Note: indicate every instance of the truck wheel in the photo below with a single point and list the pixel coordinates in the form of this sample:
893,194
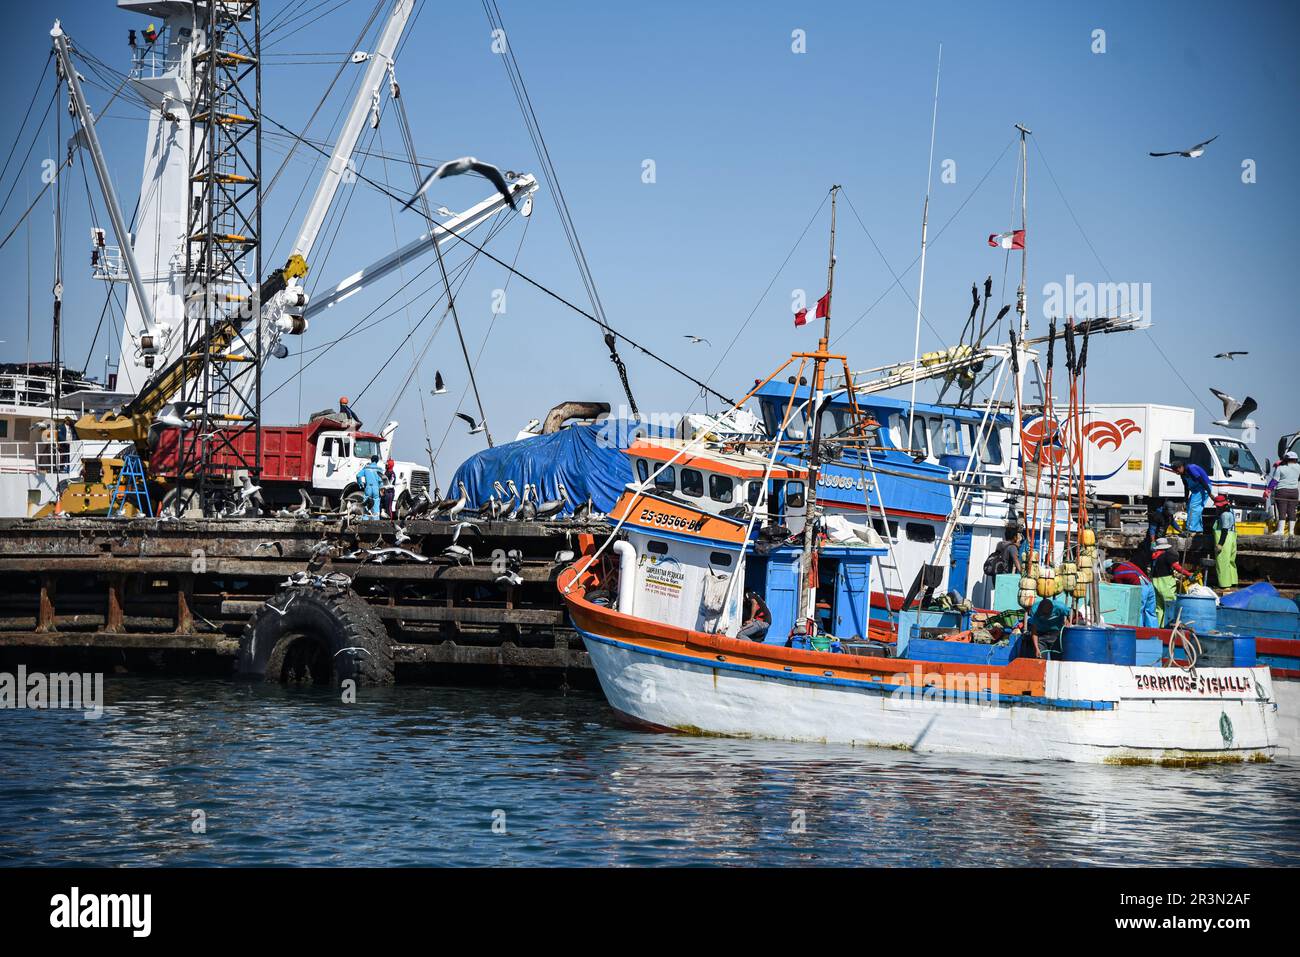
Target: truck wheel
403,506
181,503
352,496
321,635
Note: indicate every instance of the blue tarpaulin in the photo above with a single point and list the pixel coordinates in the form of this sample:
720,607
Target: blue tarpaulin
1253,596
588,459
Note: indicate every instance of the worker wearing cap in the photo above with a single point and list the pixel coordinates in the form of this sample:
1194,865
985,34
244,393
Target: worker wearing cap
1284,486
371,480
1197,485
1127,573
1164,568
1225,543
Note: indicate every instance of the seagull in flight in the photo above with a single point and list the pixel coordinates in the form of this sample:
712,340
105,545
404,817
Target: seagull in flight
1192,153
1236,415
1231,355
474,427
696,340
466,164
438,387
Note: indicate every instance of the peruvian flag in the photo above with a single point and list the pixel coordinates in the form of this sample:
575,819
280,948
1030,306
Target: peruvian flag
823,310
1012,240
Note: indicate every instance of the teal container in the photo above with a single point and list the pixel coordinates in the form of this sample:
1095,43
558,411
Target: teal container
1087,643
1199,614
1122,646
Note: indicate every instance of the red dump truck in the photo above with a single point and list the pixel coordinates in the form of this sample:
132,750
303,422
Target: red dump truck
321,458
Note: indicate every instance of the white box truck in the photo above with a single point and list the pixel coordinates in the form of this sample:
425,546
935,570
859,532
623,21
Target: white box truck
1129,452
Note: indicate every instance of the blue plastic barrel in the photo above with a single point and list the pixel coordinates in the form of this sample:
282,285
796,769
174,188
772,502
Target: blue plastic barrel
1199,614
1087,643
1122,646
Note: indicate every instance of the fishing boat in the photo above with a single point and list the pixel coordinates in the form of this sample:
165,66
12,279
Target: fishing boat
712,530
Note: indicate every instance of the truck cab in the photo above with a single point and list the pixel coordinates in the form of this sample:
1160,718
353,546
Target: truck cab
341,454
1232,467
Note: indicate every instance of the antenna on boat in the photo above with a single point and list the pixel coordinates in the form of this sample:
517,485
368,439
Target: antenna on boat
925,223
808,593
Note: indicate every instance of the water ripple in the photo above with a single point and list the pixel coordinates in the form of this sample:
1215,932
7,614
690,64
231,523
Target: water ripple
438,776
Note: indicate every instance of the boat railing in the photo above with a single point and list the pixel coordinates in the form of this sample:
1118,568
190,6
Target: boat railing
150,61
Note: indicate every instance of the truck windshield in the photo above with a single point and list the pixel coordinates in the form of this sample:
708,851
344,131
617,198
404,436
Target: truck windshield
366,448
1234,456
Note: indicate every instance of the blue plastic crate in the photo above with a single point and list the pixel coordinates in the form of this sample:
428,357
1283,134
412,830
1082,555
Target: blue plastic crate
960,652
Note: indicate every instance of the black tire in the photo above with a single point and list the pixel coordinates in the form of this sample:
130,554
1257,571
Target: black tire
403,506
325,636
181,502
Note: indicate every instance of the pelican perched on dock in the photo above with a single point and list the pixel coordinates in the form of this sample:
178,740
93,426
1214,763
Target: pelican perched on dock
549,509
450,508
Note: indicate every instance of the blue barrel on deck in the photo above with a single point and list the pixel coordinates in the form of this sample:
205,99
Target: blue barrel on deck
1122,646
1087,643
1199,614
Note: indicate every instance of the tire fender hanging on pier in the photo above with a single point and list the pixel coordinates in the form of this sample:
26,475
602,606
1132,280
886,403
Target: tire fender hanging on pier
324,635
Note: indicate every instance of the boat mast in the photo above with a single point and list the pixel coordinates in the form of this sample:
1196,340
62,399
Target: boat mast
807,560
1023,334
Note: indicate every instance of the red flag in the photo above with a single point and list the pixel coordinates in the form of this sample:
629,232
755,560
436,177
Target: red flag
1012,240
824,306
801,318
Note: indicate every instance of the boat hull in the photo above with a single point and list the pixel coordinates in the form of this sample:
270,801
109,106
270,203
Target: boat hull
665,691
1287,693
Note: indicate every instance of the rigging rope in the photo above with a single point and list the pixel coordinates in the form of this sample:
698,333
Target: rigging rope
534,128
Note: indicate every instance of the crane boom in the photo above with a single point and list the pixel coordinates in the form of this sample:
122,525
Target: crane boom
367,97
101,170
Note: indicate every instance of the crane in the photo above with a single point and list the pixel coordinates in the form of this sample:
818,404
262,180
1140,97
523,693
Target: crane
281,305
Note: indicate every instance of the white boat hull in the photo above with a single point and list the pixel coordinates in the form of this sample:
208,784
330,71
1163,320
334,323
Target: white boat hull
1118,723
1287,693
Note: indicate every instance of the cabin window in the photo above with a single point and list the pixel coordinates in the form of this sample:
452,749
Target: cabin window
794,494
950,437
642,470
367,448
692,483
1194,452
666,480
720,558
720,488
656,548
990,448
4,428
919,444
892,532
920,532
755,491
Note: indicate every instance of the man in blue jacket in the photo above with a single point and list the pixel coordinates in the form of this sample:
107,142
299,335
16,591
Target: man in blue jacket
371,480
1197,485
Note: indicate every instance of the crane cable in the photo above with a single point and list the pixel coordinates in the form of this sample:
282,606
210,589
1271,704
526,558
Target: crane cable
548,169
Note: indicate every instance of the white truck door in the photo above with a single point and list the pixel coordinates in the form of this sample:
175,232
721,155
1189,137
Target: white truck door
334,468
1168,483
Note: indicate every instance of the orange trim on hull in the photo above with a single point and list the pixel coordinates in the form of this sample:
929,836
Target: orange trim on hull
1021,676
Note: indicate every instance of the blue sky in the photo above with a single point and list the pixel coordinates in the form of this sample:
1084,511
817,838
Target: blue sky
747,137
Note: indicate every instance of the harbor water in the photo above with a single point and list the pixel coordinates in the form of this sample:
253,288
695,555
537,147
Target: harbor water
207,772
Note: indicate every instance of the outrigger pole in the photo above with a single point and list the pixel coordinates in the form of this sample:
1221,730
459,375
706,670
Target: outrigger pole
925,225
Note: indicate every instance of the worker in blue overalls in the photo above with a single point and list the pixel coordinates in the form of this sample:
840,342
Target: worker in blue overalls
371,480
1197,485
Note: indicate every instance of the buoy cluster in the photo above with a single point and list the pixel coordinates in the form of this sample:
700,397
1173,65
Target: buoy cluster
1045,580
